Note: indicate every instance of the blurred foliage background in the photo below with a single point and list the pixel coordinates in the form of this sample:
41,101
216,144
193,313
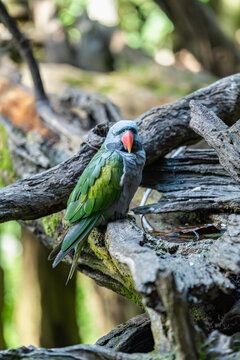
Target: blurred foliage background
139,53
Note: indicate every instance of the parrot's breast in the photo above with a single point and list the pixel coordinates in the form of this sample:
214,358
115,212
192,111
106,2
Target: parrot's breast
132,174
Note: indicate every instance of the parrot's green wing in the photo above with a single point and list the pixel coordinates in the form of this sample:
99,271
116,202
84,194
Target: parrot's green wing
98,188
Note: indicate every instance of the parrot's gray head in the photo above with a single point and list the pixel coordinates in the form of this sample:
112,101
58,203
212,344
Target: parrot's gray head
123,136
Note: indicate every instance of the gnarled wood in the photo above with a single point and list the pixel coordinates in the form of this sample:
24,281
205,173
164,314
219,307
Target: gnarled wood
225,140
193,181
162,129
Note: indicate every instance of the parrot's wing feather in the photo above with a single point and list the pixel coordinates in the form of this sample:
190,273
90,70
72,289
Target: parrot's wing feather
54,252
98,187
77,234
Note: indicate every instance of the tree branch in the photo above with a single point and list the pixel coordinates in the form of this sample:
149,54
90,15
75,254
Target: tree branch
162,129
225,140
25,50
166,127
47,192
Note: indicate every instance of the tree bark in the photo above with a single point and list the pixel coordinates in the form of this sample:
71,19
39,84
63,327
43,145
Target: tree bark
197,30
225,140
191,182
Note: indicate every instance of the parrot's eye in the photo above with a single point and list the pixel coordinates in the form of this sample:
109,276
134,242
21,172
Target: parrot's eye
122,131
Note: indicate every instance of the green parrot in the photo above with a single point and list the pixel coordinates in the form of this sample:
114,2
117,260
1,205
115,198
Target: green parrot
104,190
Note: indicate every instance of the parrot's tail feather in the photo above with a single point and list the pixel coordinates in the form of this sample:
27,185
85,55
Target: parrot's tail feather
80,229
75,259
59,258
54,252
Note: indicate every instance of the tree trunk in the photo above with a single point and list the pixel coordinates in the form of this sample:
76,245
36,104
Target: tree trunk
197,30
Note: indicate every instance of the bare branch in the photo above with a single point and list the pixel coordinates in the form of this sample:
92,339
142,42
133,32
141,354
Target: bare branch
162,129
25,50
226,141
166,127
43,107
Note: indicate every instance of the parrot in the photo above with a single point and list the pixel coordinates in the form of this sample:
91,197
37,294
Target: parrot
104,189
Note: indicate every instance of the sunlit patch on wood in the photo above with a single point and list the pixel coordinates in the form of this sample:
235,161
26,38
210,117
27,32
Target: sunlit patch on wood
18,104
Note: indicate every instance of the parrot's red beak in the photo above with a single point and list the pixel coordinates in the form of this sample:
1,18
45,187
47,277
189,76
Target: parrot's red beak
127,140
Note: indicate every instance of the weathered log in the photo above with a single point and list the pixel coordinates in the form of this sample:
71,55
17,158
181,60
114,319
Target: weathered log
217,346
133,336
76,352
193,181
115,260
166,127
225,140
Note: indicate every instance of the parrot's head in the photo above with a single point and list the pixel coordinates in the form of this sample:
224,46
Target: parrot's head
123,136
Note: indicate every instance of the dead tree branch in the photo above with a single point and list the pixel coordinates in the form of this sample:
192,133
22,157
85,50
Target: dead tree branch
166,127
225,140
162,129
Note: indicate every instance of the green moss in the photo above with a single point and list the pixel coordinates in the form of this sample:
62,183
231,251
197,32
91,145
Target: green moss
131,296
231,208
197,312
236,348
50,223
96,242
7,174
